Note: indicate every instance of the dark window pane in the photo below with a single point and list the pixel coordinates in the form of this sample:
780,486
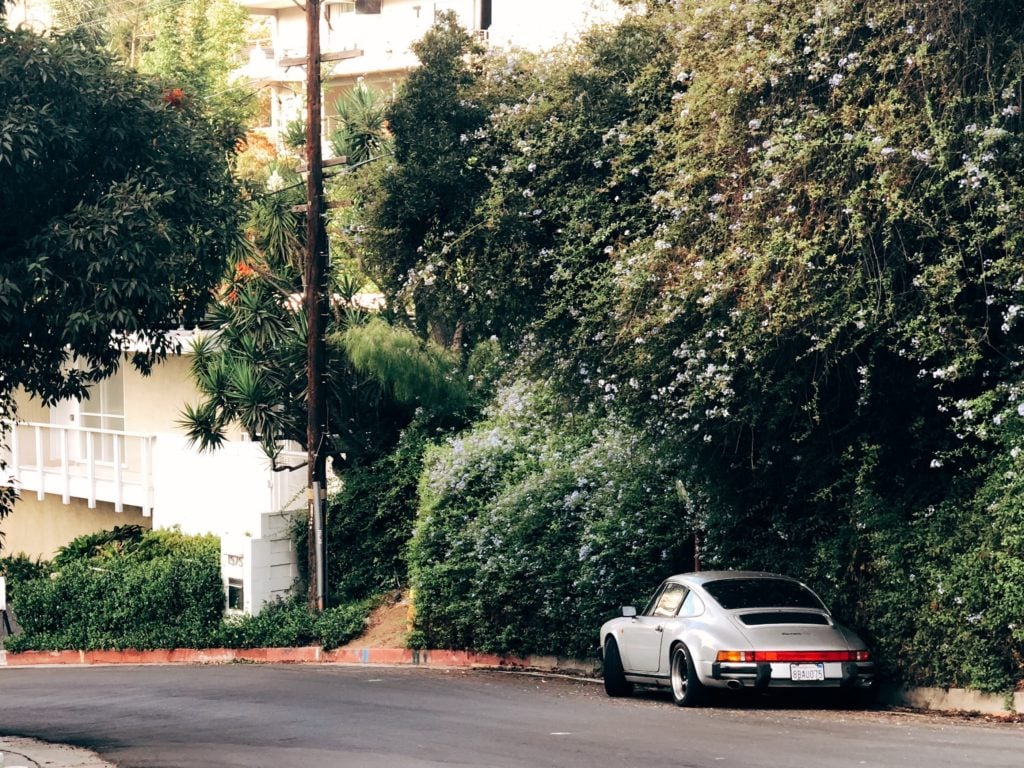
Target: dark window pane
732,594
236,595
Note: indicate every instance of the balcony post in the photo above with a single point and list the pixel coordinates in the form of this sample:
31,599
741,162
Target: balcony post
40,463
118,487
65,467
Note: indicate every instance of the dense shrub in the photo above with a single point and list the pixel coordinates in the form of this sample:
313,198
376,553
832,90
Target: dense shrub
20,568
289,624
101,544
370,520
281,624
166,593
535,525
158,589
340,624
775,247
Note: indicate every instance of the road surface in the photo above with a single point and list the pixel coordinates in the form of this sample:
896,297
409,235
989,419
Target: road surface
323,716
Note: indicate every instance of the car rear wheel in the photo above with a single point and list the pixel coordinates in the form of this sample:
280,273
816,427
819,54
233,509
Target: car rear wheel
687,689
615,683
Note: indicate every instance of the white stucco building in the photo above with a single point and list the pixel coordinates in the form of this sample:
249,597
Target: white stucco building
379,34
121,457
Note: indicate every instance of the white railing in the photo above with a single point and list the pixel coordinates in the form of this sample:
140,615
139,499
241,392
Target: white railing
73,462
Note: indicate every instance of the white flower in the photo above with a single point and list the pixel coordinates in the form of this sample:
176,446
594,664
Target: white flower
275,183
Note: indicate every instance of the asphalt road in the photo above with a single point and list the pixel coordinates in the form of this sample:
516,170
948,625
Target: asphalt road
319,717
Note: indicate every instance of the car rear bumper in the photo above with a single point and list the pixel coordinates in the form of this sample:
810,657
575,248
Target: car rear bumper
847,674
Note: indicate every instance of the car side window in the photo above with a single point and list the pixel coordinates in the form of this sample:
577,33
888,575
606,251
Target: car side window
670,599
692,606
649,608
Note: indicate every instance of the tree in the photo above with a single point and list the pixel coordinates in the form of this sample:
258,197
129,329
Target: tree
253,371
124,25
196,46
117,213
433,183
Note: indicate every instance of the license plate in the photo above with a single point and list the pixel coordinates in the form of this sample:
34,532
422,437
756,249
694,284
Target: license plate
807,671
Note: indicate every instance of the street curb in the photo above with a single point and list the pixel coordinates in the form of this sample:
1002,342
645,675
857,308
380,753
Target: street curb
929,699
304,655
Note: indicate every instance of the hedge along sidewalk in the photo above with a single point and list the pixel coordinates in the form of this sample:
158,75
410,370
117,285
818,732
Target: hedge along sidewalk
930,699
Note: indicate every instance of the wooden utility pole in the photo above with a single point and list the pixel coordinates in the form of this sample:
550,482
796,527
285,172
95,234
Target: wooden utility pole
315,303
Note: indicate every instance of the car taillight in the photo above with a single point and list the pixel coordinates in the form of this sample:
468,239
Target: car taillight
791,656
736,656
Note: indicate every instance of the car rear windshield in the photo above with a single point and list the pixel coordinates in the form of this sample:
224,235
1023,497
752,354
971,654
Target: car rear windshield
733,594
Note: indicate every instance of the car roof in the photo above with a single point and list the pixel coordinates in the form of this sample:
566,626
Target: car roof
703,577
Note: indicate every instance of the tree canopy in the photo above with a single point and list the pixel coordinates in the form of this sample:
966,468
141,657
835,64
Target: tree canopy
116,215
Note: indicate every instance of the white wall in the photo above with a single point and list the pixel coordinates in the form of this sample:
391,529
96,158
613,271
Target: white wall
233,493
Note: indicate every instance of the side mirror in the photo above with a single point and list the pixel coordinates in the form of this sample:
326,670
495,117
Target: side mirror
628,611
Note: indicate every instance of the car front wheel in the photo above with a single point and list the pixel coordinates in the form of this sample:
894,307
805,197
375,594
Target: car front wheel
687,689
615,683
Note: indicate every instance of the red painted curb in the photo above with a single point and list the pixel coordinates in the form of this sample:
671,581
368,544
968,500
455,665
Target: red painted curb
35,658
307,655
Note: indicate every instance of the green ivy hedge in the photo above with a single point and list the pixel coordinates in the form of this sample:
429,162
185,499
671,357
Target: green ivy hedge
167,593
533,528
774,249
127,588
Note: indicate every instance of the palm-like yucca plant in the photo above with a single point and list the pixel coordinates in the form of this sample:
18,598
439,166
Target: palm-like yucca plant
275,233
362,131
248,371
251,371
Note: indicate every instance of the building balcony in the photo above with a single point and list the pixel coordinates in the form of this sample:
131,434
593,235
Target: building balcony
98,465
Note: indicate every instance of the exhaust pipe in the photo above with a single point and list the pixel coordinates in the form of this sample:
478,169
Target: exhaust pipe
734,685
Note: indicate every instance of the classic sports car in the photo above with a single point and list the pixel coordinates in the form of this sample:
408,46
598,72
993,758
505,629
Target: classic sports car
732,629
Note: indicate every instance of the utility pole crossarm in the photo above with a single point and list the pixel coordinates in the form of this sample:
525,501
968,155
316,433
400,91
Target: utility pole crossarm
301,61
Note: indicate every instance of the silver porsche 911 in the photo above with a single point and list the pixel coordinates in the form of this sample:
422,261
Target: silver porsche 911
732,630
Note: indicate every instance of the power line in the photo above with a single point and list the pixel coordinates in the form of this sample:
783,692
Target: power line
149,7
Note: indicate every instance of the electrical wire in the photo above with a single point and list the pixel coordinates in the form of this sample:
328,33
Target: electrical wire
148,7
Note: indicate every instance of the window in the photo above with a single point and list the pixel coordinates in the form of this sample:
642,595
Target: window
103,410
733,594
485,14
669,600
236,595
692,606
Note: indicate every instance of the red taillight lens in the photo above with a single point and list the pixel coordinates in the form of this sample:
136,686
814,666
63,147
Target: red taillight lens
791,656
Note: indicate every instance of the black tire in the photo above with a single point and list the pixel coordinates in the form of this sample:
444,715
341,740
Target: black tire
687,689
615,683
